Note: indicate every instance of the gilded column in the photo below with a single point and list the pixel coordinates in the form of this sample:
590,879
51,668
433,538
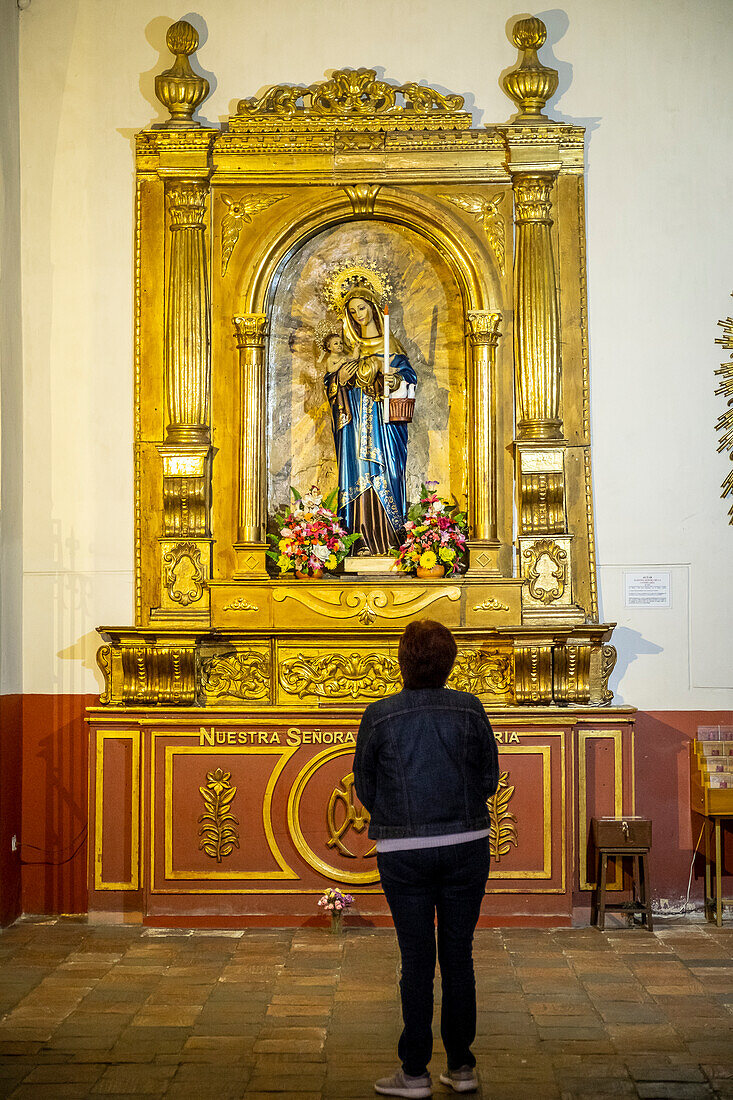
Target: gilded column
251,332
536,325
483,336
187,341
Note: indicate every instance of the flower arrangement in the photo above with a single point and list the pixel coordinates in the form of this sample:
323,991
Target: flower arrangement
436,534
336,903
310,537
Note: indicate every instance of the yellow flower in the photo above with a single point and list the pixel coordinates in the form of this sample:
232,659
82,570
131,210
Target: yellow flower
428,560
284,545
446,554
331,562
284,563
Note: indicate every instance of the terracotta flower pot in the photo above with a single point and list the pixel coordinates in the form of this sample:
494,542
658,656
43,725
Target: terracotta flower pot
311,575
437,571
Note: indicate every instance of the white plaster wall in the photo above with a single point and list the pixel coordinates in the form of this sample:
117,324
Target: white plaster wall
11,385
647,79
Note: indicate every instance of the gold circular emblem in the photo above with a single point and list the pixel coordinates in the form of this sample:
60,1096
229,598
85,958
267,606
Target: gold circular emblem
353,878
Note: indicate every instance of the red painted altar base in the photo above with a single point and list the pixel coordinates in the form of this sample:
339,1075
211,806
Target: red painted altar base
219,818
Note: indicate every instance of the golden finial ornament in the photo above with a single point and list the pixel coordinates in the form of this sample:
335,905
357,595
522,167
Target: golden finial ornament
179,88
530,84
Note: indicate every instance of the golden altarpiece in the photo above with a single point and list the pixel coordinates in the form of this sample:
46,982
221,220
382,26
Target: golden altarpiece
220,763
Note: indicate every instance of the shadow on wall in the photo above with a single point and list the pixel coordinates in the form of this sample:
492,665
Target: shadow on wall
629,644
84,650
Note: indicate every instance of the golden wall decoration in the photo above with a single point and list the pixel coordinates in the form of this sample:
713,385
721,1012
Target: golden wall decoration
482,673
608,663
239,213
341,803
340,675
503,823
358,95
367,605
219,837
546,570
486,213
725,421
492,604
184,573
236,676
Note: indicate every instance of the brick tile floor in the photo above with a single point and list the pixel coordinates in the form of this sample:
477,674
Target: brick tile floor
121,1011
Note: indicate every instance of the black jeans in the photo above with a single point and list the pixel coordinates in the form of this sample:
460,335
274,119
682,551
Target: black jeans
419,883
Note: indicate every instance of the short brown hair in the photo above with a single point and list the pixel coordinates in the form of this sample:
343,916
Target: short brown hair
426,654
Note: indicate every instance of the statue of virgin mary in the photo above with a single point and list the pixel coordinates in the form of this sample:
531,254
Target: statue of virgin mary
371,448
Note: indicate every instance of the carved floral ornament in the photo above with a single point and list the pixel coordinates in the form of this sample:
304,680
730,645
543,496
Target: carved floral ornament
374,675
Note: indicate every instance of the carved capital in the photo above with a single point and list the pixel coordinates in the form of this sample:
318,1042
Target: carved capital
250,330
483,327
187,205
532,199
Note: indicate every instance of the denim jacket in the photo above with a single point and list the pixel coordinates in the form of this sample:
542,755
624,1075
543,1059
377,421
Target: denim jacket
425,764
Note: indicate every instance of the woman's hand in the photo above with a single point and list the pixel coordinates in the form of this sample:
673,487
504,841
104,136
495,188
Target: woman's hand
347,370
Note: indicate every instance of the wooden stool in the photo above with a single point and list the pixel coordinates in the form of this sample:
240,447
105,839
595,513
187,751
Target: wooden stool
624,836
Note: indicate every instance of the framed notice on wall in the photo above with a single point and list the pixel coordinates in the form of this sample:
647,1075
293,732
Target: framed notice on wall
648,589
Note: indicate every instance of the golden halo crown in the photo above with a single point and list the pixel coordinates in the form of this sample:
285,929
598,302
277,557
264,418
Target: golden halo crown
347,276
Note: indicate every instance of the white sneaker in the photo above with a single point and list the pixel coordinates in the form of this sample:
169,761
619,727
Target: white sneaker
460,1080
402,1085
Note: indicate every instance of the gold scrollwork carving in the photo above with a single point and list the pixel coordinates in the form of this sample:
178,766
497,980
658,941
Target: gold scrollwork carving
533,674
608,663
340,675
343,795
240,605
542,502
104,661
492,604
546,570
502,823
158,674
240,675
349,92
571,673
184,575
482,673
240,212
367,605
218,835
486,212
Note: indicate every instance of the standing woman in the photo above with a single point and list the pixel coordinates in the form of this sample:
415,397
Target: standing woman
425,764
371,451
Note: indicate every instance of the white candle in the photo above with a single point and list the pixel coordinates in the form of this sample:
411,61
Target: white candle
386,364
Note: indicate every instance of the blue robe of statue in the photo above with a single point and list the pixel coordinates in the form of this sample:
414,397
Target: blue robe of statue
369,453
